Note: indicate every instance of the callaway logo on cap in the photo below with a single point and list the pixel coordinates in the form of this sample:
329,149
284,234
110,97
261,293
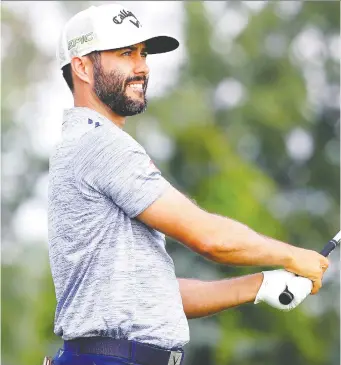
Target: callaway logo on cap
118,19
106,27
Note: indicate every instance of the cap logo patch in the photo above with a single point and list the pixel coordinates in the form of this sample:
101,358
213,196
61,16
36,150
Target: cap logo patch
84,38
123,14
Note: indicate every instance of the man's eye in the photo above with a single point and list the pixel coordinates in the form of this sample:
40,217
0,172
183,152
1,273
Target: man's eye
128,53
144,54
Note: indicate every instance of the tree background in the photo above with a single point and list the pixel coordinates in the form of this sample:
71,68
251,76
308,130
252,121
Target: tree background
244,118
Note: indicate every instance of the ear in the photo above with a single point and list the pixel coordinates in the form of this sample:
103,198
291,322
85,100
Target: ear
82,68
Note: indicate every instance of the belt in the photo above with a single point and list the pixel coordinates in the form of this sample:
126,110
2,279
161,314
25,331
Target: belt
138,352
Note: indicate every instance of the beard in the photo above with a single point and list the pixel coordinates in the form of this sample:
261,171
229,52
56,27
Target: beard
111,87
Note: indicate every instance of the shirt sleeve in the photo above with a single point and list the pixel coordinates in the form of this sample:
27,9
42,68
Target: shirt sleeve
112,163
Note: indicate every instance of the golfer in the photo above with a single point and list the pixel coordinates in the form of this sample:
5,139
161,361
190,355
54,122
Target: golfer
118,299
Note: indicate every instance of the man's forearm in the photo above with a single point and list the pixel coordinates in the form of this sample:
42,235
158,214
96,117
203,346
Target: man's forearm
205,298
235,243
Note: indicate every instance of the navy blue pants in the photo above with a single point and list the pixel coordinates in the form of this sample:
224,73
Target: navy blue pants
64,357
68,357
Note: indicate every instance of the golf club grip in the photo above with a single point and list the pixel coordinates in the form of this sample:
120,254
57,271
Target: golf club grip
328,248
286,297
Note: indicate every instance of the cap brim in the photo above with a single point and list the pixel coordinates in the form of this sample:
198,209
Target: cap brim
161,44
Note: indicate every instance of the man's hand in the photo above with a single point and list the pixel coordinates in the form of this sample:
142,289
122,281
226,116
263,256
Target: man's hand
309,264
276,281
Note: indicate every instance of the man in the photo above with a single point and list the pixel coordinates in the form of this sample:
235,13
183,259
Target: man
118,299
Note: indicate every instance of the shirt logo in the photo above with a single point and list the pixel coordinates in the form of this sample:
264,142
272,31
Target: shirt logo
152,165
123,14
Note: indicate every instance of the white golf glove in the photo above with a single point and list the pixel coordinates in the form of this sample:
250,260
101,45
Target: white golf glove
276,281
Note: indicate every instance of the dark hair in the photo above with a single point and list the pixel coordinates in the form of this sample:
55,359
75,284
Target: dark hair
67,74
67,71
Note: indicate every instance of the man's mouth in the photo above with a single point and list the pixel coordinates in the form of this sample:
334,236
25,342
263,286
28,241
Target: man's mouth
136,86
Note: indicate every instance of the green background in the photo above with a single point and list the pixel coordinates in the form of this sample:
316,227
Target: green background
234,122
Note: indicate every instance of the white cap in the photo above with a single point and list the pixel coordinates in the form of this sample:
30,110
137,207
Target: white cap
106,27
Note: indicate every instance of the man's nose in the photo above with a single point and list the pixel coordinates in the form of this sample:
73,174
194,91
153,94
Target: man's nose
141,67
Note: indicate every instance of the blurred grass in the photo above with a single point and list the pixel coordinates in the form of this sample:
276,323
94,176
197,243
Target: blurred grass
210,163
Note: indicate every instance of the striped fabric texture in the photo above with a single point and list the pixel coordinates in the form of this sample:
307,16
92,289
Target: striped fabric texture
112,274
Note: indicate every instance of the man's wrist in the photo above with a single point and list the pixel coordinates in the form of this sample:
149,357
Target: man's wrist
258,281
286,255
289,258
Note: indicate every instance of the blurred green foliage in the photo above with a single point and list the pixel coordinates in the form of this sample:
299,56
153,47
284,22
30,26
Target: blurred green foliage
233,160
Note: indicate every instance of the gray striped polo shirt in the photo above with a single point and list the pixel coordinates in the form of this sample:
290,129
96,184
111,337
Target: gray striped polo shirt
112,274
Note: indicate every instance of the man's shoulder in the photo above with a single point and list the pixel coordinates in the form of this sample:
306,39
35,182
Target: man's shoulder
91,130
110,138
